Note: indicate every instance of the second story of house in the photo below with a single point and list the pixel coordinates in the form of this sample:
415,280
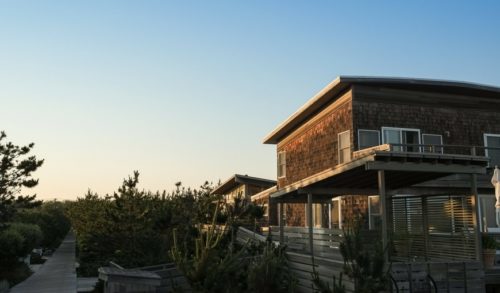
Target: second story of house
242,186
408,115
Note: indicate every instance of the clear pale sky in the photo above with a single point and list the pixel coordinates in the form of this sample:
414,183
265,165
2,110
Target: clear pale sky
186,90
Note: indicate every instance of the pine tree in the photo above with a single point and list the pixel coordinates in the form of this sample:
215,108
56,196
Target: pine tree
16,167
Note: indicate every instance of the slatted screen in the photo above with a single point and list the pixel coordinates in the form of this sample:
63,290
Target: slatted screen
433,228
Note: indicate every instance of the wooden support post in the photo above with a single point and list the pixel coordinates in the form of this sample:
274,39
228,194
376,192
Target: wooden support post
383,206
310,221
475,215
281,223
425,226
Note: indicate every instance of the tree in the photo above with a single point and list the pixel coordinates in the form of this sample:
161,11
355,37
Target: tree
363,263
16,167
51,219
131,227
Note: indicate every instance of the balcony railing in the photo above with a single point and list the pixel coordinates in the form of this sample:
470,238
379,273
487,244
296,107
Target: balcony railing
493,153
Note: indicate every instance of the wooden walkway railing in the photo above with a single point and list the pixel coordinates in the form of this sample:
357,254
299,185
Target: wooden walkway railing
152,279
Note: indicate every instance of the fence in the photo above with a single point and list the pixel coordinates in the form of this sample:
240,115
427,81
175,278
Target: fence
445,276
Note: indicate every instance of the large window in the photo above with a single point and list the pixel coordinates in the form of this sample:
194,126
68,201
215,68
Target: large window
344,147
449,214
433,143
281,164
368,138
492,141
438,227
407,136
407,214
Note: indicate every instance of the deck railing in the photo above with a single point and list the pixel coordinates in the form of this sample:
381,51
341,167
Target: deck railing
451,149
325,241
493,153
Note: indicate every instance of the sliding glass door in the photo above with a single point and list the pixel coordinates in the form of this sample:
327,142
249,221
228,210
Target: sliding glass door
407,136
492,144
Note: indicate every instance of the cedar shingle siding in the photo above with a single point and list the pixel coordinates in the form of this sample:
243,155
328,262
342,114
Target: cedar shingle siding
314,148
465,123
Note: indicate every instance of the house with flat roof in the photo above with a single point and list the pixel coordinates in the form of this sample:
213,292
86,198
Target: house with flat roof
411,159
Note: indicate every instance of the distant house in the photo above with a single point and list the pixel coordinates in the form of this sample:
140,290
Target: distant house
409,158
263,199
245,187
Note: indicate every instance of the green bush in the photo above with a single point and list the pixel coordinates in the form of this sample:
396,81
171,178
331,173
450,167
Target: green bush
15,273
11,243
51,219
31,234
489,242
269,272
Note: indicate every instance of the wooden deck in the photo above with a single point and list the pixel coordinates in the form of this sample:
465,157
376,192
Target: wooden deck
438,277
492,276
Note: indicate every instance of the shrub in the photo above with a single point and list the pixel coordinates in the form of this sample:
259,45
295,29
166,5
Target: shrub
31,234
11,242
489,242
51,219
270,272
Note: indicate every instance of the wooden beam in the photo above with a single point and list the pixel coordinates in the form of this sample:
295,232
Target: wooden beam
310,222
325,174
332,191
425,167
420,191
383,206
303,199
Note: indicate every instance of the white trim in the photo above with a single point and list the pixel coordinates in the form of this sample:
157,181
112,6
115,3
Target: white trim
370,224
340,149
367,130
283,175
481,220
431,134
329,215
485,135
339,199
306,220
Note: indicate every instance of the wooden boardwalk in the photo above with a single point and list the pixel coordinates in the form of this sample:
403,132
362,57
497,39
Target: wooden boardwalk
56,275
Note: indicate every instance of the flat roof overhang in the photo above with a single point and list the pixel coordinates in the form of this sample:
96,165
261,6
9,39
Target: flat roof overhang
342,84
360,176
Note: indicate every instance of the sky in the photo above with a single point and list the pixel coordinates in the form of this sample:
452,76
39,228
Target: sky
187,90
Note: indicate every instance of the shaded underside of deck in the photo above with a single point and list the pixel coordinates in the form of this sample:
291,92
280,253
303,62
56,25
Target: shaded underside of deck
402,170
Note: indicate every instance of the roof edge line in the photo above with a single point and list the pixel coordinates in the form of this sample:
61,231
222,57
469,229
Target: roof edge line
269,138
